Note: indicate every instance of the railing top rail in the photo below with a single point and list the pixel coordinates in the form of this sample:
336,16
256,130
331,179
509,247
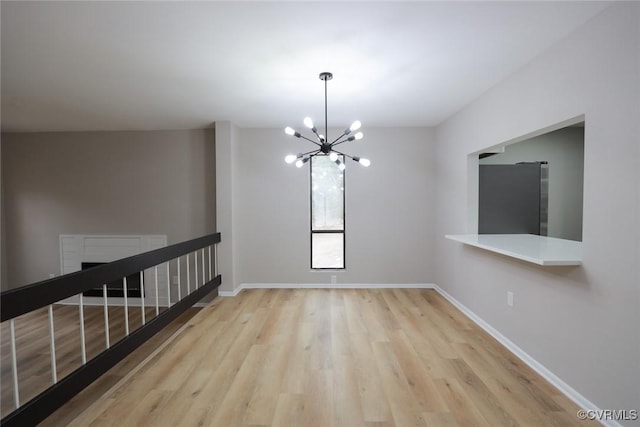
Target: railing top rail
16,302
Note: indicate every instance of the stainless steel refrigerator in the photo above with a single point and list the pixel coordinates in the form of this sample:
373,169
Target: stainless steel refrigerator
513,199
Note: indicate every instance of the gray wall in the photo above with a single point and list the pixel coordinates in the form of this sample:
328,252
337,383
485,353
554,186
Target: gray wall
579,322
159,182
564,150
389,209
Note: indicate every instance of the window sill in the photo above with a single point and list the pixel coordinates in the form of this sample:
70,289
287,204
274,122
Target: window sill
541,250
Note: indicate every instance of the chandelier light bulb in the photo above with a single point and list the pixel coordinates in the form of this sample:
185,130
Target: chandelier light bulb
323,146
308,122
302,161
290,158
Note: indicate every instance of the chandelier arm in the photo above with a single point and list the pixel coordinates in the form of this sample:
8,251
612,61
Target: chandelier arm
333,144
315,132
310,140
309,152
335,140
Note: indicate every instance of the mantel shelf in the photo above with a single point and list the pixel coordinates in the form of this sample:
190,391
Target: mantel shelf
539,250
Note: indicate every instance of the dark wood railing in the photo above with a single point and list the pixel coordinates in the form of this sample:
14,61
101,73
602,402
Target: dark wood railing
16,302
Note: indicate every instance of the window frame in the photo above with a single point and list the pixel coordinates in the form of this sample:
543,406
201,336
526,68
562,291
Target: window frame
337,231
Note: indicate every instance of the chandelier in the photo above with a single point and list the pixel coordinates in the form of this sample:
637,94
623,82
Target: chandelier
326,148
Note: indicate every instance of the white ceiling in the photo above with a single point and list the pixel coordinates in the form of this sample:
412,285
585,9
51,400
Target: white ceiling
181,65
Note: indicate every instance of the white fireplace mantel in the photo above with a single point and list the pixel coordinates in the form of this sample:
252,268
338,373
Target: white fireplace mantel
78,248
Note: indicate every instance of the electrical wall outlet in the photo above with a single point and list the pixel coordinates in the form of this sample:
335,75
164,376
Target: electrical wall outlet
333,279
510,298
175,280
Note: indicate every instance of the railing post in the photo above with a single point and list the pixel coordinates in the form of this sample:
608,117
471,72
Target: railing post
168,286
157,302
142,297
14,363
126,306
52,346
195,268
179,281
83,347
106,315
215,259
204,278
209,249
188,276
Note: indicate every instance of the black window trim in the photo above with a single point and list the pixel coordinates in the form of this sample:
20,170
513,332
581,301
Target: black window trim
344,221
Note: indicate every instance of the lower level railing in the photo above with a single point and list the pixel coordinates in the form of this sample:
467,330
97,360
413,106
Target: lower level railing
191,264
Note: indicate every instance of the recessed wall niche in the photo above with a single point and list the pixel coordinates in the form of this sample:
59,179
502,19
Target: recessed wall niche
500,192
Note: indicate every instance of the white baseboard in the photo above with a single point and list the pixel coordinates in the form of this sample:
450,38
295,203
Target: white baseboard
233,293
565,388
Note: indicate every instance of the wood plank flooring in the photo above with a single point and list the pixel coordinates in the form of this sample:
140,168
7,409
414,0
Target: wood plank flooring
34,357
329,357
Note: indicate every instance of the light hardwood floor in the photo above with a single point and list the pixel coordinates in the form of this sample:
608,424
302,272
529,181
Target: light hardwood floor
331,358
34,357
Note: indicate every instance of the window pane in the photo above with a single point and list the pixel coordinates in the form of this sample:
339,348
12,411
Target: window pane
327,190
327,250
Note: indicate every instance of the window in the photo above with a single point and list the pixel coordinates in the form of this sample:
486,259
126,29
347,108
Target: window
327,213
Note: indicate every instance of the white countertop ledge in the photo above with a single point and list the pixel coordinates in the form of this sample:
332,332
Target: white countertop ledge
539,250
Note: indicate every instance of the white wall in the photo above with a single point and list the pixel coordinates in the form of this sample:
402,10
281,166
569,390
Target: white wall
579,322
389,209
